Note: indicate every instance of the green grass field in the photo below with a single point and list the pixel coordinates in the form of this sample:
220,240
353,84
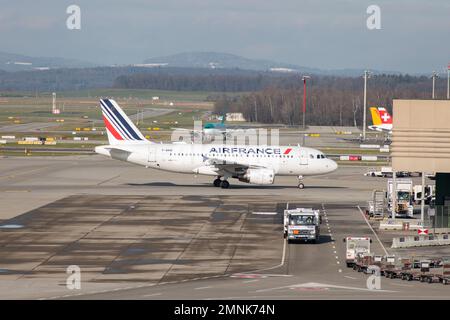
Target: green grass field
180,96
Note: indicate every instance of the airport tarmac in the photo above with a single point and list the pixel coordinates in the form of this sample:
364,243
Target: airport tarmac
138,233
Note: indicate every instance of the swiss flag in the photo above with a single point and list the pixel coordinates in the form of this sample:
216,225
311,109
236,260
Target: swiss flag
422,231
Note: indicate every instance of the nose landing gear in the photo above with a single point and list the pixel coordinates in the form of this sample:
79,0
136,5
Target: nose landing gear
300,182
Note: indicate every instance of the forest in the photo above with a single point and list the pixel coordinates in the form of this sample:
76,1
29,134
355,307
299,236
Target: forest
330,101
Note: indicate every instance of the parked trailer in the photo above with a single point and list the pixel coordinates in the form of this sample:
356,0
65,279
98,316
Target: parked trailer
390,266
444,276
368,263
418,270
437,271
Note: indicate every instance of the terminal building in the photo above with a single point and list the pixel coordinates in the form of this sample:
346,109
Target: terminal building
421,143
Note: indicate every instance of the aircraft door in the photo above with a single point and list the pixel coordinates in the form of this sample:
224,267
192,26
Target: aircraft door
152,153
303,157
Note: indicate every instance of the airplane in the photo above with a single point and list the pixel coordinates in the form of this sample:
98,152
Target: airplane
211,130
382,120
215,128
255,164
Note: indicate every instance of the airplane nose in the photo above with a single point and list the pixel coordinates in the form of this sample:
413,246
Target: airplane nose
332,165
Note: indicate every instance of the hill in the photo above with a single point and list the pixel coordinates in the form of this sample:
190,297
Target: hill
16,62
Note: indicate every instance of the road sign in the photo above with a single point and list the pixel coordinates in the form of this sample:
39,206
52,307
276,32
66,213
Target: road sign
422,231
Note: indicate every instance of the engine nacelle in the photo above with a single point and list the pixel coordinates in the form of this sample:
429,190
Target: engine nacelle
258,176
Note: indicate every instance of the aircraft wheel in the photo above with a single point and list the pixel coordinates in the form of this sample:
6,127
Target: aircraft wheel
217,182
301,186
225,184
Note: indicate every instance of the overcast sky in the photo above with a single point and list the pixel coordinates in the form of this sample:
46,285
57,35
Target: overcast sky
328,34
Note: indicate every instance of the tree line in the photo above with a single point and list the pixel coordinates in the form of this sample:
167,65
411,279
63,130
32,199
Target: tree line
332,101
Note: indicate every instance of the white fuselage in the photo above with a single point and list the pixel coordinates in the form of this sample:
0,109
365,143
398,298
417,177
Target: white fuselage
385,127
200,158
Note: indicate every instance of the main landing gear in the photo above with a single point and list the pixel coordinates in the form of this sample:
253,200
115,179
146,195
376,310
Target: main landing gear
300,182
224,184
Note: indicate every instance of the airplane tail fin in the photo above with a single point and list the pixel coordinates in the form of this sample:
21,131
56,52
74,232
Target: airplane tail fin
385,117
119,127
376,119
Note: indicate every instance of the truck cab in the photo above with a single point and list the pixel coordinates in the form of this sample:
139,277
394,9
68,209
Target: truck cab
356,247
404,198
302,224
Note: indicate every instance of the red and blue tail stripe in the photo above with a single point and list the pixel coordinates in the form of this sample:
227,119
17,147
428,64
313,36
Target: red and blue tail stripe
117,123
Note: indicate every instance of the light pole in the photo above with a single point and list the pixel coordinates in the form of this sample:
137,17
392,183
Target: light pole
304,100
366,76
434,76
448,81
304,105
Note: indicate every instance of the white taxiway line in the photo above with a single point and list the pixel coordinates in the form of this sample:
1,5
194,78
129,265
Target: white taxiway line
152,295
249,281
362,213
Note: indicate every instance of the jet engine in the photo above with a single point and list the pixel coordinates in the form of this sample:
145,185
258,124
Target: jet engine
258,176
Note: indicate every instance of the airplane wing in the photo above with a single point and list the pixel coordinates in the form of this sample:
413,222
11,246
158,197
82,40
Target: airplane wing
222,167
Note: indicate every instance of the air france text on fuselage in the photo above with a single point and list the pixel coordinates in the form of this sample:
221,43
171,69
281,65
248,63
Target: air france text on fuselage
265,150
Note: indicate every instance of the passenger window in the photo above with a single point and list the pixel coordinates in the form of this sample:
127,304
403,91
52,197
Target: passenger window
311,156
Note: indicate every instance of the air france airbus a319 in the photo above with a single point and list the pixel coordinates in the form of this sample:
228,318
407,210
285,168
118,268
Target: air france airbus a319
251,164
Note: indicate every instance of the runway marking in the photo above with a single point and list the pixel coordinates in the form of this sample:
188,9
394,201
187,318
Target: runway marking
401,285
283,258
152,295
265,213
107,180
320,285
353,278
202,288
340,270
362,213
250,281
18,173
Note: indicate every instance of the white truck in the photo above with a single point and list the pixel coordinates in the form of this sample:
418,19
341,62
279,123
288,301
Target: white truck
383,172
356,247
404,192
302,224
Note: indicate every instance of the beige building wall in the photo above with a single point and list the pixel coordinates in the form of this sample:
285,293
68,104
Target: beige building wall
421,136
